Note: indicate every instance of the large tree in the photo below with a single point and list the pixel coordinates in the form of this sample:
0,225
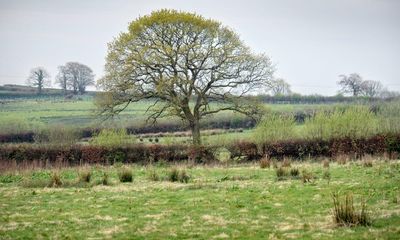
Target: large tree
183,62
351,84
39,78
75,76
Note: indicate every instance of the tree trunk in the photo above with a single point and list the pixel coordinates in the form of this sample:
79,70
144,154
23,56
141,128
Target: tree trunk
195,127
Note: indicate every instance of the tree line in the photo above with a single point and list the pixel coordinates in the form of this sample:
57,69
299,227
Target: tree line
353,85
72,77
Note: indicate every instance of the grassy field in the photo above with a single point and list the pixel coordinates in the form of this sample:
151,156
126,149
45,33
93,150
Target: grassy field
239,201
83,113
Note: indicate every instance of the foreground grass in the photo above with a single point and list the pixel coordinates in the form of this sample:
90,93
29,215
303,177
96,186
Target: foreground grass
240,201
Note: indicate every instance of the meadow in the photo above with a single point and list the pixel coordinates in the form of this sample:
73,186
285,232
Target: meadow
219,201
294,174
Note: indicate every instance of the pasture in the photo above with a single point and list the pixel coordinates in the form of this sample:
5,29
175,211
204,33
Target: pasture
236,201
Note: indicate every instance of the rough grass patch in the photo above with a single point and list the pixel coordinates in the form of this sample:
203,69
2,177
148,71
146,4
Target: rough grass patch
307,176
344,213
153,175
125,175
294,172
326,163
281,173
85,176
265,163
286,162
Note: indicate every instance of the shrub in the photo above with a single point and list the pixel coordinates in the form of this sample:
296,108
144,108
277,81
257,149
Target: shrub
275,127
125,175
112,138
281,173
265,163
294,172
353,122
58,134
344,213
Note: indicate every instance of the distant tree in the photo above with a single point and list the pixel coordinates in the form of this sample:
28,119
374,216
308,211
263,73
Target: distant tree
39,78
371,88
385,93
279,86
351,84
62,78
174,57
79,76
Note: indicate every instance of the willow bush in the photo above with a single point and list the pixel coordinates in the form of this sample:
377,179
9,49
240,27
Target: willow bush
274,127
353,122
112,138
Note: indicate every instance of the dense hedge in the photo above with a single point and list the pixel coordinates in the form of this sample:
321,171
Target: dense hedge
17,137
142,153
78,155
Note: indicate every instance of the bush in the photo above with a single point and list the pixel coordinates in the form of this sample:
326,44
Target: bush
352,122
344,213
112,138
58,134
125,175
274,128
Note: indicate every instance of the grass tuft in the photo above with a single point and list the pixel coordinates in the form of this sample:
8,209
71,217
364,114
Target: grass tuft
344,213
265,163
125,175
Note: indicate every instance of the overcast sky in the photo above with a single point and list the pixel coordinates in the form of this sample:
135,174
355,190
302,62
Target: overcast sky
311,42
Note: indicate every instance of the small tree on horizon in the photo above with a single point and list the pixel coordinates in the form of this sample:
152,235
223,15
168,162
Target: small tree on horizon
39,78
183,62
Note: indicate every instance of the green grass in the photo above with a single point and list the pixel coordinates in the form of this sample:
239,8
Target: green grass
240,201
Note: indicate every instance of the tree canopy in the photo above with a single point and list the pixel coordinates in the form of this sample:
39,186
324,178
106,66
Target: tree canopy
183,62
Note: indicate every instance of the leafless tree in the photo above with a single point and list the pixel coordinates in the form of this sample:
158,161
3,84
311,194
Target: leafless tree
279,86
351,84
371,88
39,78
78,76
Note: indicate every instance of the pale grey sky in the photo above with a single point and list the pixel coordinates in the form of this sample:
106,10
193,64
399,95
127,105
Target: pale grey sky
310,41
